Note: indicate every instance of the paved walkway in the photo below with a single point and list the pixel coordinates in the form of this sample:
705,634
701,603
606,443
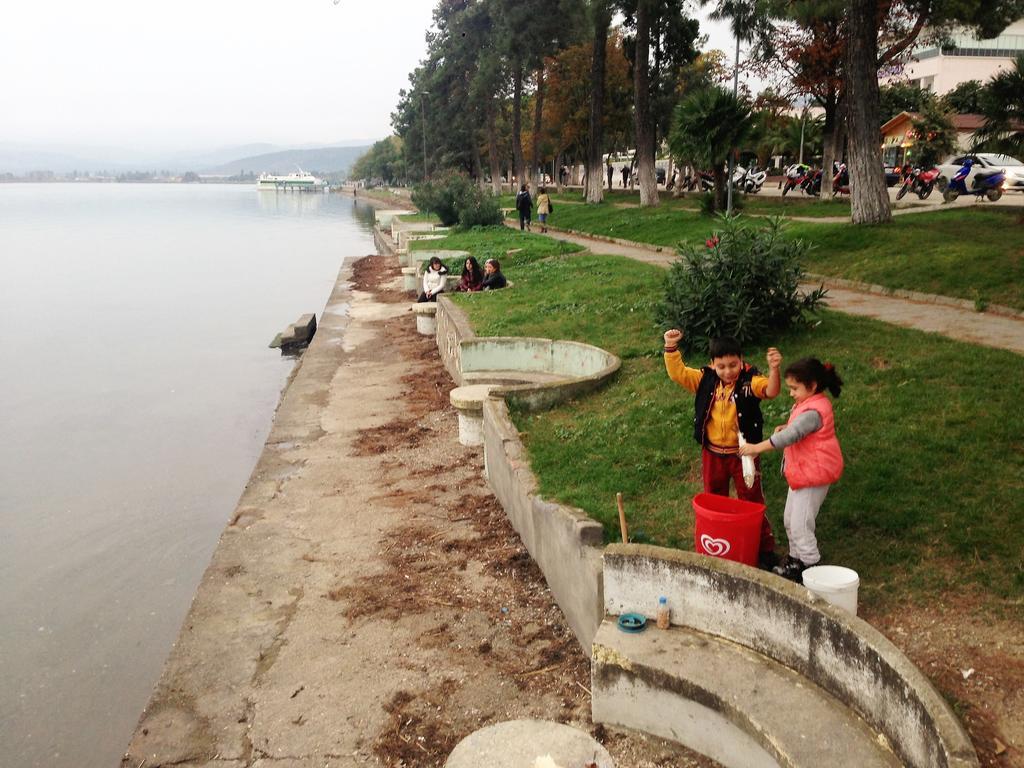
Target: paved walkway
965,325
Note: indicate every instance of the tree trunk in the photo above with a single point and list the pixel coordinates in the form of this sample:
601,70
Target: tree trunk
492,150
829,135
518,163
718,201
869,197
556,170
535,159
642,100
595,148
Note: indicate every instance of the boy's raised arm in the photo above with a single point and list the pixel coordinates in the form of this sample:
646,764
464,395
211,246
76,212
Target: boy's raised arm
686,377
774,380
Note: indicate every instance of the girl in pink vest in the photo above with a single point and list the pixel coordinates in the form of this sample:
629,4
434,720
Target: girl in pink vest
812,460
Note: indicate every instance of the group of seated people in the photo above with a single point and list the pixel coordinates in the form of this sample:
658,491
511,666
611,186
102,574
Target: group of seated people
473,278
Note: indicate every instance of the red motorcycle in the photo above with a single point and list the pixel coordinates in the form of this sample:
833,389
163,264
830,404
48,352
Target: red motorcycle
841,181
796,176
919,181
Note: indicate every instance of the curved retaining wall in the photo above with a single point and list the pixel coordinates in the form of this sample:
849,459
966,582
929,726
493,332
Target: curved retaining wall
585,367
839,652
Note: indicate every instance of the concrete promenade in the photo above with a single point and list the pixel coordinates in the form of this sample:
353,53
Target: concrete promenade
368,602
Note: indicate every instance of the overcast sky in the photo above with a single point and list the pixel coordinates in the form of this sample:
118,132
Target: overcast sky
193,74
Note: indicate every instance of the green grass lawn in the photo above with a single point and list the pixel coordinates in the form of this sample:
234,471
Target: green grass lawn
973,254
511,248
425,216
933,438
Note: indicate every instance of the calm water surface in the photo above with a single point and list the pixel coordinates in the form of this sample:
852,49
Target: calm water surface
136,392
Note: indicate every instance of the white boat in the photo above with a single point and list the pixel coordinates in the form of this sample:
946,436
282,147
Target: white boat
292,182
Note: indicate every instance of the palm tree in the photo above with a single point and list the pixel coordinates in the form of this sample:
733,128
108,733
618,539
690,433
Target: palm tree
706,125
1003,107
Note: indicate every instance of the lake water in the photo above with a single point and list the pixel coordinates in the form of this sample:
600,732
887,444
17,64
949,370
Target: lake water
136,392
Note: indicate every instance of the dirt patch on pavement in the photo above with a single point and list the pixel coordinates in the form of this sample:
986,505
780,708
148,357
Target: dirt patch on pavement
975,661
454,574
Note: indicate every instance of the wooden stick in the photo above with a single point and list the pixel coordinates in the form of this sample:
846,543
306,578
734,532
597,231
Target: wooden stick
622,518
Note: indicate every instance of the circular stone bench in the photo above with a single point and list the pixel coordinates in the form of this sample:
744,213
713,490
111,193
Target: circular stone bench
426,318
537,373
758,671
520,743
409,281
385,217
468,401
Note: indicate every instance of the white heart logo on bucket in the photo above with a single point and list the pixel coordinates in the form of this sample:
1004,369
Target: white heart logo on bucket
714,547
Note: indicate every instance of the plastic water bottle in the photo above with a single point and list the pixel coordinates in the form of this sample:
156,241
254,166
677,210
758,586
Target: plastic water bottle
664,615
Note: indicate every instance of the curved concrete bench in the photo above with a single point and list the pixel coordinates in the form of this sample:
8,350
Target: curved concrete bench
426,317
761,654
536,373
385,217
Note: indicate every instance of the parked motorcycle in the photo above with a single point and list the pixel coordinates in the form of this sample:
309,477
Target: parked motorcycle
841,181
989,185
749,180
796,176
918,181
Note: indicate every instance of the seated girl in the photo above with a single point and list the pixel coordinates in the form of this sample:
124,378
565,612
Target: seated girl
433,280
493,279
472,276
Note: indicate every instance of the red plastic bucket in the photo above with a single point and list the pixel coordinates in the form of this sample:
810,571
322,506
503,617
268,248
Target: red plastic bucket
727,528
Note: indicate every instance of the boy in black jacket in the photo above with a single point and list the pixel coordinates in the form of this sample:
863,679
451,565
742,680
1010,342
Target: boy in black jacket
727,401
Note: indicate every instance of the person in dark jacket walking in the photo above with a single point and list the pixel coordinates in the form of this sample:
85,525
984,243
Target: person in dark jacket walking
524,204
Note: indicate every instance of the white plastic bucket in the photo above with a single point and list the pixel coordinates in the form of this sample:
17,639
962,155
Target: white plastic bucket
835,584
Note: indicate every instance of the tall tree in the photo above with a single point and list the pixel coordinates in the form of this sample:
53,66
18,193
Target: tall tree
707,125
662,42
869,197
1003,108
530,30
600,20
880,31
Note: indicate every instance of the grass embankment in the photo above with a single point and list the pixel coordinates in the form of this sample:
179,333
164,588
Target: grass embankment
930,427
420,216
973,254
512,249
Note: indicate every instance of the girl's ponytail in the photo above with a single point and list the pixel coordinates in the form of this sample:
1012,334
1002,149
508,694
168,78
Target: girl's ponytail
810,371
831,380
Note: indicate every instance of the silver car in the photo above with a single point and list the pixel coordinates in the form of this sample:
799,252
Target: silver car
984,162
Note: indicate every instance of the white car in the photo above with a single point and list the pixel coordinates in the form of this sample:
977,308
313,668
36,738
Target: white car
985,163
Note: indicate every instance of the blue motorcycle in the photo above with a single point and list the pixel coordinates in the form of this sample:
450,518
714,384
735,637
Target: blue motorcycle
988,184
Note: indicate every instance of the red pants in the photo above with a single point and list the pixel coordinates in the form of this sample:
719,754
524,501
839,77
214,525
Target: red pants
718,469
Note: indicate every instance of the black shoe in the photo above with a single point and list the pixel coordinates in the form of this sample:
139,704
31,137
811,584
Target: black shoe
767,560
791,569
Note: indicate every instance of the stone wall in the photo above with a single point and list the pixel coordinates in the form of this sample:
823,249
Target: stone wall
842,654
563,541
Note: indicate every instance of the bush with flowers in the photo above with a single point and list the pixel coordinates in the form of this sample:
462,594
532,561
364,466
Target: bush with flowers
743,281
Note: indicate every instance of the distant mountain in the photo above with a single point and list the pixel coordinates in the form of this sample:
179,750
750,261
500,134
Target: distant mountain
20,158
324,160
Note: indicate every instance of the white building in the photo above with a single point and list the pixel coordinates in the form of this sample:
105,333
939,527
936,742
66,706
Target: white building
941,69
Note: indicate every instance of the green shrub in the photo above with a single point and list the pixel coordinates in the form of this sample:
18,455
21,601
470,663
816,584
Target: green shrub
440,196
478,208
742,282
455,199
708,206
